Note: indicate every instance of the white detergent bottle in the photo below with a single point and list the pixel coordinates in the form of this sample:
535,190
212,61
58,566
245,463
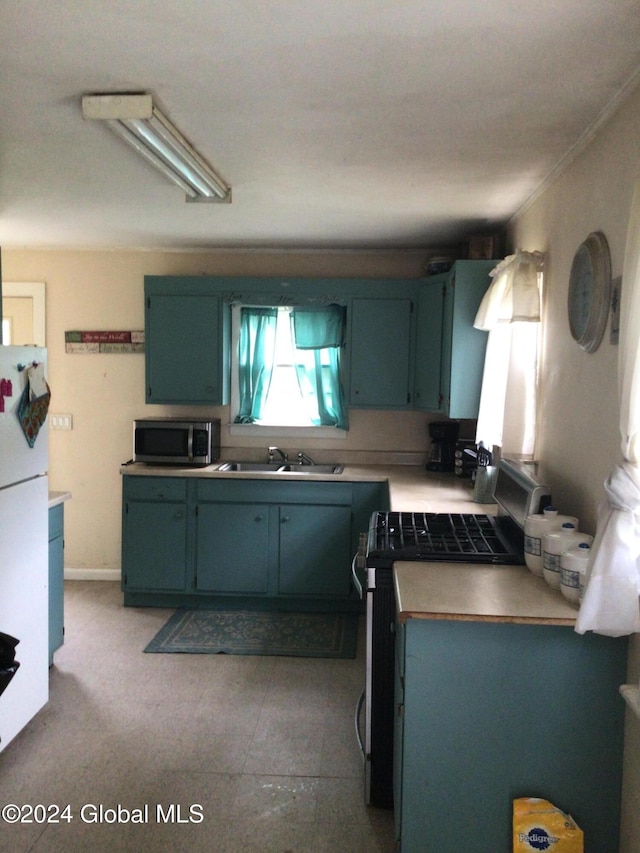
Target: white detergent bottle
573,571
554,545
535,527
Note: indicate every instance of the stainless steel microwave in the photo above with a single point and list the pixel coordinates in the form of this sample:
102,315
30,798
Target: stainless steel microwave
176,441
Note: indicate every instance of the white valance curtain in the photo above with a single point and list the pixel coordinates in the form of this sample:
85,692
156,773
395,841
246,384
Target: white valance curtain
610,604
510,312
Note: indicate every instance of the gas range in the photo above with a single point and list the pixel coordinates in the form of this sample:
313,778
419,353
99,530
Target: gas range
446,537
442,537
462,537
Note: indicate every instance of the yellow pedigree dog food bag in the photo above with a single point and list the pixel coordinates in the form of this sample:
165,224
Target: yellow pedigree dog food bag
538,826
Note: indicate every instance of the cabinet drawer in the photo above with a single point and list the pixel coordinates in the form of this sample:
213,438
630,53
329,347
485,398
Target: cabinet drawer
56,521
155,488
270,491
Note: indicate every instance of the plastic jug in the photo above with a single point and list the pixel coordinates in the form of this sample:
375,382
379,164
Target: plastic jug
554,545
535,527
573,571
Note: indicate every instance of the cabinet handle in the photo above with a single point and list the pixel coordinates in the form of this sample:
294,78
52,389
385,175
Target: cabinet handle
284,519
259,518
178,515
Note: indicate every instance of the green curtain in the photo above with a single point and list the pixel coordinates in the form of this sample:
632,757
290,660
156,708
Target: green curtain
321,330
256,352
318,327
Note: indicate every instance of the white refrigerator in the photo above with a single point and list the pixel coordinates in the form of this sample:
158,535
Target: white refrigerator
23,544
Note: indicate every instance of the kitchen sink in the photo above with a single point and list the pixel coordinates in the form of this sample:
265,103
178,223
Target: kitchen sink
251,466
312,469
280,467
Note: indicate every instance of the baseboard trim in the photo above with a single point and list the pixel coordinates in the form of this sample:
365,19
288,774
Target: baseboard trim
92,574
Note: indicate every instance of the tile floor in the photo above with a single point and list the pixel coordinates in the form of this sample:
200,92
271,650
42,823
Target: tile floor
263,748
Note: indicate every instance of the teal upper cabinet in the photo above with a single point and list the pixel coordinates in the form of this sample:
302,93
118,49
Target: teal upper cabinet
396,357
380,346
186,342
427,389
450,352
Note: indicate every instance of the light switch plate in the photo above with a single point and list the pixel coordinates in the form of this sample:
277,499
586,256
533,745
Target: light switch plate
61,421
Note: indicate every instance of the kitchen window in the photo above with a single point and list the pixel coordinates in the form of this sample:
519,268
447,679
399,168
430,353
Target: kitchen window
286,368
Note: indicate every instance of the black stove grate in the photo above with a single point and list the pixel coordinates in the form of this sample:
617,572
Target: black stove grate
441,536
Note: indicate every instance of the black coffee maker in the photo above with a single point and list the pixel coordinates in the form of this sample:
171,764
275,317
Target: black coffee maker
443,435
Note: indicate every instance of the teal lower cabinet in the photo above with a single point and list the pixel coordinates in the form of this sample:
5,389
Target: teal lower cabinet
56,579
487,712
314,546
232,554
154,534
274,539
282,544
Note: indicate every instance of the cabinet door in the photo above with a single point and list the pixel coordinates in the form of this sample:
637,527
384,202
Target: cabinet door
428,392
450,356
232,548
463,346
56,580
315,550
380,353
398,732
184,357
154,537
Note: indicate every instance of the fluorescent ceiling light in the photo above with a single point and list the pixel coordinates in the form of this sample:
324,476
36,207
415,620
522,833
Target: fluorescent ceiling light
141,124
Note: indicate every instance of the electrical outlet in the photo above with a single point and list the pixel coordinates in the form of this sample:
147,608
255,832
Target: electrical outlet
61,421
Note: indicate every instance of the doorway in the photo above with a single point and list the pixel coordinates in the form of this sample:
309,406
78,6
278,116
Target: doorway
23,313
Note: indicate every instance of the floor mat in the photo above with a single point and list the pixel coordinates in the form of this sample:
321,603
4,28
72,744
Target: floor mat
243,632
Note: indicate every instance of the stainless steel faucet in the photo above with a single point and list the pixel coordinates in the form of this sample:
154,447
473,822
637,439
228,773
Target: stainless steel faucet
273,451
303,459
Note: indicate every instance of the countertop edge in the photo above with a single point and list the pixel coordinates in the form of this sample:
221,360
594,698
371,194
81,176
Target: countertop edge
350,473
57,498
405,615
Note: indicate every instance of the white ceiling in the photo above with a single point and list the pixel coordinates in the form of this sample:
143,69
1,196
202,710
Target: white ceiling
344,124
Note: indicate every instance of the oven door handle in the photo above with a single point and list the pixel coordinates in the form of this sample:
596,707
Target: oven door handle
356,719
354,576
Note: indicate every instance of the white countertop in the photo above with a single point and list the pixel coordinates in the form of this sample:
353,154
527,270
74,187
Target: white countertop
412,488
56,498
471,592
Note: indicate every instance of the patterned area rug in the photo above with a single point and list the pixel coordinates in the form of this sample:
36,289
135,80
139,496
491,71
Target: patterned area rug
243,632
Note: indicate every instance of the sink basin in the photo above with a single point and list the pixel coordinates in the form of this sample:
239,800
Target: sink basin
280,467
312,469
251,466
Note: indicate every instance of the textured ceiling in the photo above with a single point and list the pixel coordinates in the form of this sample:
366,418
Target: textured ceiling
353,124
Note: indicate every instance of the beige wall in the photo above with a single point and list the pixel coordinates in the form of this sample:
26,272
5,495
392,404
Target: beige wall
579,434
87,290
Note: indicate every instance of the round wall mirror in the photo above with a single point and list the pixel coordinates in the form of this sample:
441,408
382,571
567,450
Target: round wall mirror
590,291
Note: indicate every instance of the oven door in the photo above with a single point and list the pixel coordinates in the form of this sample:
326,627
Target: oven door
379,688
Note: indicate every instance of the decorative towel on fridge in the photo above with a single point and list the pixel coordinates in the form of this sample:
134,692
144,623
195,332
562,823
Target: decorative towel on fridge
34,403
